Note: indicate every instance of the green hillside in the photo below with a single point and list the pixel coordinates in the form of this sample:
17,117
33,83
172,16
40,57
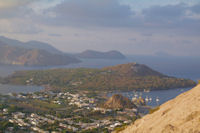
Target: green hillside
130,76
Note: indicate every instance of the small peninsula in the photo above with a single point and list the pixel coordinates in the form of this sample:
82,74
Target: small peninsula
124,77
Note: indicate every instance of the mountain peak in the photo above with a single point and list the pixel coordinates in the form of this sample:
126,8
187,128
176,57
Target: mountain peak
133,69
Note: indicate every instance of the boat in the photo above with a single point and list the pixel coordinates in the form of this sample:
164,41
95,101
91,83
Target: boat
136,95
150,99
146,99
157,99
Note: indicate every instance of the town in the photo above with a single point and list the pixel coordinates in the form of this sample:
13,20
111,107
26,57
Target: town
57,112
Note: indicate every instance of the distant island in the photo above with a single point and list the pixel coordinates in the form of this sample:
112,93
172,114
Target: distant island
125,77
91,54
30,45
33,53
11,55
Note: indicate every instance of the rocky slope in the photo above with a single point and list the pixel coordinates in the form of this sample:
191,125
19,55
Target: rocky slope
180,115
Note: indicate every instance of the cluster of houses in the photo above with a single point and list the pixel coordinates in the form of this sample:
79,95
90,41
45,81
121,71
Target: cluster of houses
33,121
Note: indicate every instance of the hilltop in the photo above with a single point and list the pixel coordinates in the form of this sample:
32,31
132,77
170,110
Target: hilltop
131,76
91,54
180,115
133,70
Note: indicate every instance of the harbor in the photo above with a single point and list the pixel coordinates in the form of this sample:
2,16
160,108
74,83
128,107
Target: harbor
153,98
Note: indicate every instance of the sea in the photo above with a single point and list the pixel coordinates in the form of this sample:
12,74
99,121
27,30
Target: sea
182,67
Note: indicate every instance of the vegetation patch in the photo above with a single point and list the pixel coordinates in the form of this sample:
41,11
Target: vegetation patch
124,77
151,111
120,128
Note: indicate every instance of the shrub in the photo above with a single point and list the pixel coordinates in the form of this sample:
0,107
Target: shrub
151,111
120,128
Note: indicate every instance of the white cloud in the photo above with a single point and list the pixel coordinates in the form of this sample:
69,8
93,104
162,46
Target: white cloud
18,26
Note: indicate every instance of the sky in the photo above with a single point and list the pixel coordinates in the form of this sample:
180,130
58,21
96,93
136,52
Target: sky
145,27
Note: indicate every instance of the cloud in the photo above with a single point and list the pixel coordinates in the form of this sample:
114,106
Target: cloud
104,13
6,4
171,18
14,8
38,6
196,8
18,26
21,8
104,24
89,12
164,13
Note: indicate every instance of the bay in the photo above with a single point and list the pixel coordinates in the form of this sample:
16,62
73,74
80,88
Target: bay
172,66
153,98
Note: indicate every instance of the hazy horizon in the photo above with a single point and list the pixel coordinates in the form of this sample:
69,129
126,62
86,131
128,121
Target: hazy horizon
134,27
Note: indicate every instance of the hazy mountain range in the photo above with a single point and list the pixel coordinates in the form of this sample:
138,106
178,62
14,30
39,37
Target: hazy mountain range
35,53
30,45
17,55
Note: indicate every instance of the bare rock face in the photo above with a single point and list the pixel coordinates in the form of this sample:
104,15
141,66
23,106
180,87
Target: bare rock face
118,101
180,115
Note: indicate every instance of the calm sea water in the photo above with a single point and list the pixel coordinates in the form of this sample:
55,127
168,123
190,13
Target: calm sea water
6,89
161,95
178,67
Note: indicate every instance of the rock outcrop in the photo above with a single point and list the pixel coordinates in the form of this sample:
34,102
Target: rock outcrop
118,101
